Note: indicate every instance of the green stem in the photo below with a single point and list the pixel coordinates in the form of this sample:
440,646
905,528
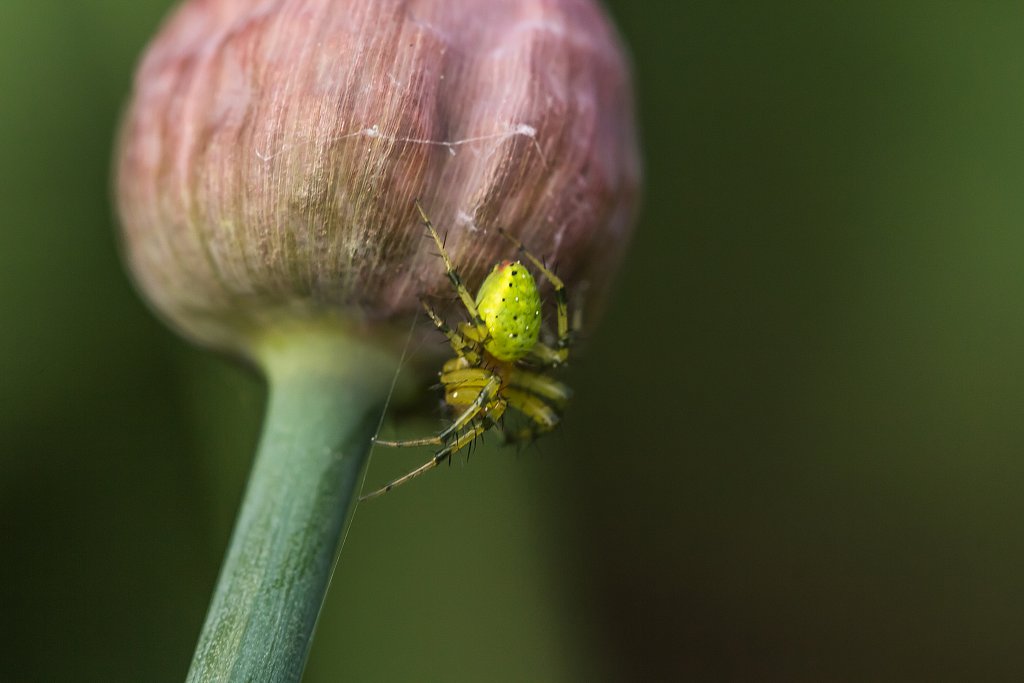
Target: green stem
326,394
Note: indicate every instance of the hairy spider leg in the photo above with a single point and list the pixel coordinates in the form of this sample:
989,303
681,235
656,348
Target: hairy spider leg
463,440
544,417
473,378
478,326
463,346
547,388
541,351
538,397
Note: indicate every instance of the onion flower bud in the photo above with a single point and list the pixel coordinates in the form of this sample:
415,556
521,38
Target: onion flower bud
272,152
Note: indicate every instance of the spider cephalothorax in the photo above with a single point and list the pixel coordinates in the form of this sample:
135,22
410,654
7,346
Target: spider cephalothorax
499,362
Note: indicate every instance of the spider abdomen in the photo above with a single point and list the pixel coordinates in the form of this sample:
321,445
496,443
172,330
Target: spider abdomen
509,303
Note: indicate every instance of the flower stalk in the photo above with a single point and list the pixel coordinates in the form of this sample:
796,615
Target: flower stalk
326,395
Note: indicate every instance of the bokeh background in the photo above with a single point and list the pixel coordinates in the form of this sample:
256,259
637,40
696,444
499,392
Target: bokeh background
797,452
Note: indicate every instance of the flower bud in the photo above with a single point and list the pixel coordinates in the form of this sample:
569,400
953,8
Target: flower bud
272,152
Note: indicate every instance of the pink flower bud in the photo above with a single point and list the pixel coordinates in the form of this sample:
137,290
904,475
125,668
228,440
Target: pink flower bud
272,152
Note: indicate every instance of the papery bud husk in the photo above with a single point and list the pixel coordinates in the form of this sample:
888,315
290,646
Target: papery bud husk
272,151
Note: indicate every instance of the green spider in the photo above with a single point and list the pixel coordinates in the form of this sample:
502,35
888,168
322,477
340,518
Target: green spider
499,361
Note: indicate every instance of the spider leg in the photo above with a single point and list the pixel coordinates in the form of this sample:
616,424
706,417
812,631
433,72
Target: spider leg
465,439
439,457
480,402
543,417
537,409
467,299
560,353
543,386
461,344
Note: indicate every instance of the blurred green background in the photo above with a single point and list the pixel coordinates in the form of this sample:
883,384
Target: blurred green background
796,452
